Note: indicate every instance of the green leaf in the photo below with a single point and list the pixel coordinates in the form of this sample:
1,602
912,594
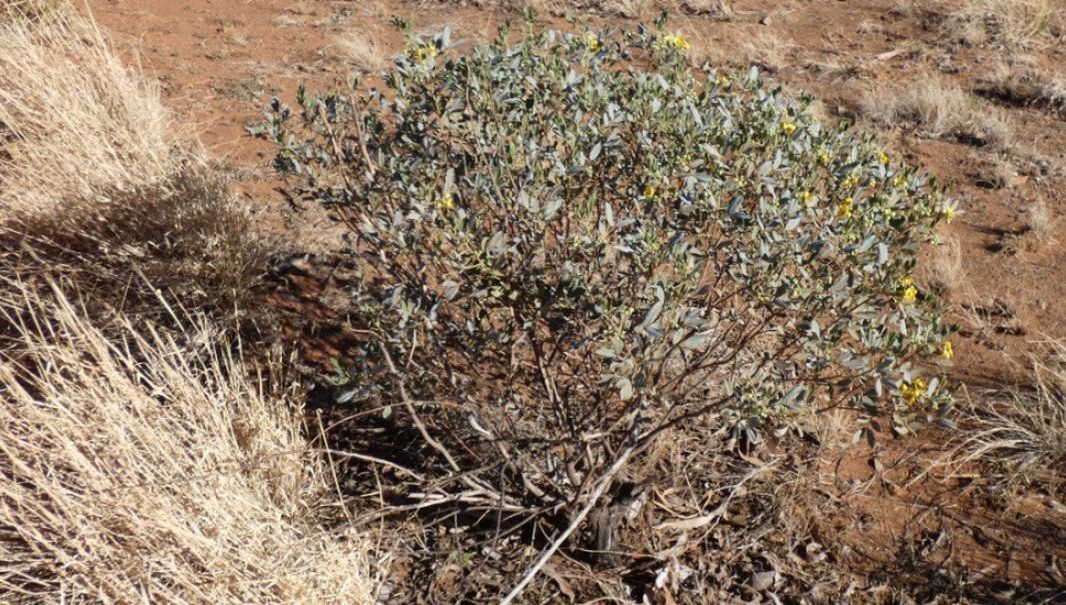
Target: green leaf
696,342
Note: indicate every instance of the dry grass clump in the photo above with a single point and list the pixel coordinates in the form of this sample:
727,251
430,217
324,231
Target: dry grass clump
715,8
1023,431
74,121
940,110
766,50
1010,23
136,465
31,9
185,236
630,9
1027,83
763,49
367,50
943,269
142,470
721,9
1038,226
92,189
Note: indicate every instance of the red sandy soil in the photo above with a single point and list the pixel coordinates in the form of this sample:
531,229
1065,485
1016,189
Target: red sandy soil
220,61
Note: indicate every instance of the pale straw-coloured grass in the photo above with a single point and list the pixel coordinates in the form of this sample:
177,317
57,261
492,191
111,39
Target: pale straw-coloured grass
148,467
75,121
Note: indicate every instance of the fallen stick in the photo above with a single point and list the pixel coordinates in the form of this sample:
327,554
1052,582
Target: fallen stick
594,497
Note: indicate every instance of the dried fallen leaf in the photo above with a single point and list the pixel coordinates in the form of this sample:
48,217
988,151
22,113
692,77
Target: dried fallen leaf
763,580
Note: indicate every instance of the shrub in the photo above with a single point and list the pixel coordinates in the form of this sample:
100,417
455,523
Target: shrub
140,470
570,244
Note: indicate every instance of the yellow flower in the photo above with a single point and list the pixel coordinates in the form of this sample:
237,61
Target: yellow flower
806,197
421,53
670,41
946,350
912,391
910,294
445,203
909,395
884,158
949,213
592,42
851,181
649,191
898,181
788,127
844,209
823,157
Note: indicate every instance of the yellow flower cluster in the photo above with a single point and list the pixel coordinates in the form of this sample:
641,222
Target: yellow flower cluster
947,351
649,192
446,203
592,42
949,213
806,197
851,181
421,53
899,181
823,157
884,158
788,127
667,41
912,391
908,291
844,209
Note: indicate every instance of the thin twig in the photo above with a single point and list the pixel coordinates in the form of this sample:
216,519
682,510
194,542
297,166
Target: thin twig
367,458
333,470
409,404
360,133
715,515
594,497
333,141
